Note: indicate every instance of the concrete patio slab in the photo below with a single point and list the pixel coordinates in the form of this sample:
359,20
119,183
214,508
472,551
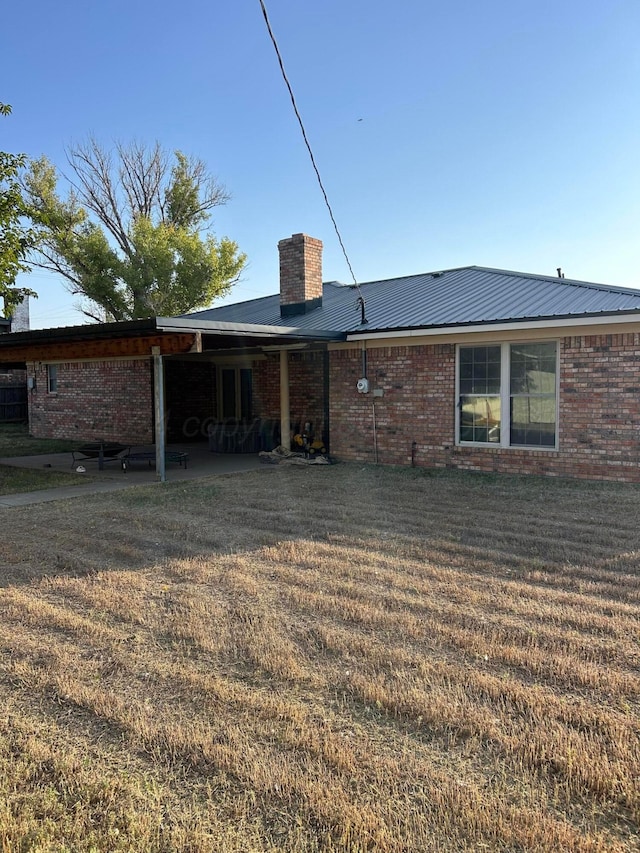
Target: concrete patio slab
201,463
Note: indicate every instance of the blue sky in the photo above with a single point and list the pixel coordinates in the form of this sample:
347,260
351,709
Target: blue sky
502,133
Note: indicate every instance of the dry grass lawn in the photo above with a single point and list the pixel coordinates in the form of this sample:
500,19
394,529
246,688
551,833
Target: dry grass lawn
323,659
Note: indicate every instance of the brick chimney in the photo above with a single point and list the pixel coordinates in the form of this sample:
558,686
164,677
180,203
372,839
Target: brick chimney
20,317
300,274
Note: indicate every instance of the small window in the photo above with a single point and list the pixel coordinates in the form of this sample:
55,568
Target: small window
52,378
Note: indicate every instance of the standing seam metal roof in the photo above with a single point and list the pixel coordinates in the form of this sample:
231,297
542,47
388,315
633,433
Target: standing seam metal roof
467,295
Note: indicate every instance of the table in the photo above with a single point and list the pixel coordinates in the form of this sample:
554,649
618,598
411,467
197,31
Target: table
150,456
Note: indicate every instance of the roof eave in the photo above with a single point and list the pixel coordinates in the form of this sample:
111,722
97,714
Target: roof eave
213,327
89,331
550,321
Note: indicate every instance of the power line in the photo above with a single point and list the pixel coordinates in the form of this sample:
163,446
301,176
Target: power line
313,159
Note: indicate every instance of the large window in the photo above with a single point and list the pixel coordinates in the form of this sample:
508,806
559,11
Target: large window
507,394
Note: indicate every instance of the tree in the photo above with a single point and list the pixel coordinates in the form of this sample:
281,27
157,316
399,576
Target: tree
15,237
128,236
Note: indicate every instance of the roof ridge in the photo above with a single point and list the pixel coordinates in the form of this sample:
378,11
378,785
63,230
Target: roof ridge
574,282
401,277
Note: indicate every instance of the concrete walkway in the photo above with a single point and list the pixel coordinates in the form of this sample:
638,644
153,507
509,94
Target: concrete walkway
201,463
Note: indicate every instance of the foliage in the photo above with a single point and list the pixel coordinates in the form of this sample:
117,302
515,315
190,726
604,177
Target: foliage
15,237
127,237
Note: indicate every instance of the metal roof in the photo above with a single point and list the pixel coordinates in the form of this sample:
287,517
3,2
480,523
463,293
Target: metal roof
441,299
464,296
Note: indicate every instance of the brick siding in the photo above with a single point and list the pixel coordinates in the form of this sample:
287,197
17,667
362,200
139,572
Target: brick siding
190,399
110,400
306,390
599,411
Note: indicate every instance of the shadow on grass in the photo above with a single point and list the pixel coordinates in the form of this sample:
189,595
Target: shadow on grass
539,524
16,441
15,480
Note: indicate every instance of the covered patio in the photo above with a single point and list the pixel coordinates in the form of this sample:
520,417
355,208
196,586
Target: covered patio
228,388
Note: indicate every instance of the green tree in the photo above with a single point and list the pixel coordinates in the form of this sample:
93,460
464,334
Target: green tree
128,237
15,237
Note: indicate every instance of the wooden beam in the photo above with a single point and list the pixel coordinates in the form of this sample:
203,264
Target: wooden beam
96,348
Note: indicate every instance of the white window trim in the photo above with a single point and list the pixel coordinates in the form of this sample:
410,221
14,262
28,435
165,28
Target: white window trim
52,372
505,399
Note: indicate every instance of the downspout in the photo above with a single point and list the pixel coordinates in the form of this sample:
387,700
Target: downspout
158,380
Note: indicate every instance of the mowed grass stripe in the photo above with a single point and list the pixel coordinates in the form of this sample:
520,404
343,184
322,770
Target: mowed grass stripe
325,679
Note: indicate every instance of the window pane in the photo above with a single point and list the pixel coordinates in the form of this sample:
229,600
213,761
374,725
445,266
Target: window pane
533,368
229,393
480,370
480,419
533,394
533,421
52,378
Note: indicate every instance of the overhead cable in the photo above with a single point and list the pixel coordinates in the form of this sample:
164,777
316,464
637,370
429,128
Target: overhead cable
306,142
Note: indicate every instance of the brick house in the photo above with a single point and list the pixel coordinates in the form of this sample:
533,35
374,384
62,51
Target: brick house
471,368
13,380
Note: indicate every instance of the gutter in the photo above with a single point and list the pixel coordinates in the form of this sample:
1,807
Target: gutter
135,328
491,326
88,331
177,324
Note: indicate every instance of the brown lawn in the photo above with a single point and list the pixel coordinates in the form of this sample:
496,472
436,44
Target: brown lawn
323,659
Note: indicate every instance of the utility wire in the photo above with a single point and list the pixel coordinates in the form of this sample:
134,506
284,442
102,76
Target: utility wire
313,159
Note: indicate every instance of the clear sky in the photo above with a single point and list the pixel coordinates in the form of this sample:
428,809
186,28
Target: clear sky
503,133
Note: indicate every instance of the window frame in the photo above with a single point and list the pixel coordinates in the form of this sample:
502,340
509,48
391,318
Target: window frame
238,370
52,378
506,396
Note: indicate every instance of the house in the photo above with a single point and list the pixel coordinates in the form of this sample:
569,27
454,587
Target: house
13,382
474,368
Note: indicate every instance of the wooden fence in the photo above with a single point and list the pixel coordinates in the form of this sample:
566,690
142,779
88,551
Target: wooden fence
13,403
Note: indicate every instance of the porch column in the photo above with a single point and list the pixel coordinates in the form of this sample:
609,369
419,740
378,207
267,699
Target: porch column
285,425
158,381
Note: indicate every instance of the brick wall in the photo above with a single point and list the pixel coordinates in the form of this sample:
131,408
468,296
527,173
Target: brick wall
190,395
110,400
599,406
266,387
418,385
306,390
